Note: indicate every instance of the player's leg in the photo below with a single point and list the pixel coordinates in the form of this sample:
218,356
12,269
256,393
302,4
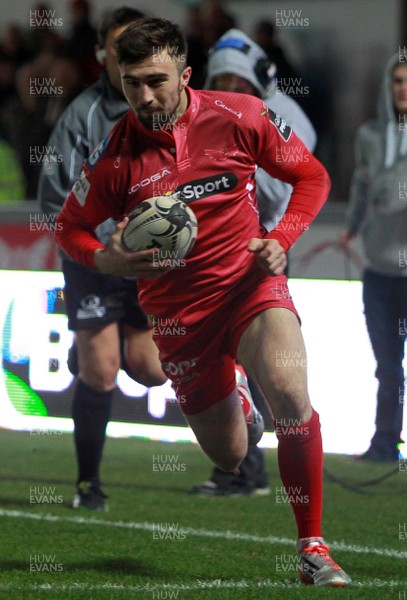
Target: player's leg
273,352
93,316
384,315
99,361
99,356
252,478
220,410
221,432
223,426
205,383
141,356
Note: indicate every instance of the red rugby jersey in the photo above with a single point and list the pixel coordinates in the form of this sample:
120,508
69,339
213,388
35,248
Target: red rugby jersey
210,156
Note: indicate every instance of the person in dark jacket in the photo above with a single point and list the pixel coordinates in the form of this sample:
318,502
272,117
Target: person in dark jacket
102,309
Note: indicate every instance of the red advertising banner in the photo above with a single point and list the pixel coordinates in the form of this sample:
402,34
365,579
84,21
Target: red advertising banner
27,245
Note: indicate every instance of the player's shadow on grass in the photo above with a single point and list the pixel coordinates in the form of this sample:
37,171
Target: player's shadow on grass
114,566
10,501
14,565
38,480
109,484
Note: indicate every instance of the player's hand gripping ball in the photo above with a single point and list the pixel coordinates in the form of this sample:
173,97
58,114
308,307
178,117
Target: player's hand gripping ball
162,222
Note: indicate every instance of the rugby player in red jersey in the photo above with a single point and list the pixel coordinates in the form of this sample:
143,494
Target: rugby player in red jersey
232,295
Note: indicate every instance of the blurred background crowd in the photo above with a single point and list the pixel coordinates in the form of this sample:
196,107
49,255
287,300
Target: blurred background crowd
47,60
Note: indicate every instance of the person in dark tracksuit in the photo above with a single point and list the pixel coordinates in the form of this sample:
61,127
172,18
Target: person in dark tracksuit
111,329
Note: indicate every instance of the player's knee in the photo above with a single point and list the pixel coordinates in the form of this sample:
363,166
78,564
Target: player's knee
229,461
149,378
152,380
145,370
390,371
100,375
291,400
144,366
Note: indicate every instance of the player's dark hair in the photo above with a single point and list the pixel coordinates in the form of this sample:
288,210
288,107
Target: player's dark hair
116,18
151,36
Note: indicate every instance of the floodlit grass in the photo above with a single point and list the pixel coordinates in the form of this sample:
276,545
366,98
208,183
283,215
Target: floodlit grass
157,541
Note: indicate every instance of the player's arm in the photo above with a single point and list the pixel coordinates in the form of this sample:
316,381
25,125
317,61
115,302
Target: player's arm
95,197
282,154
273,194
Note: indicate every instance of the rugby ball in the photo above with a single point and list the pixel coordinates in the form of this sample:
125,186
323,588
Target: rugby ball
163,222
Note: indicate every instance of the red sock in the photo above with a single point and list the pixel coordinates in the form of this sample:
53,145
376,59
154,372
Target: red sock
300,461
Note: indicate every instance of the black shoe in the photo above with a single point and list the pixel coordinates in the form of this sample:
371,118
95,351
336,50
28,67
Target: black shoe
90,496
375,455
210,488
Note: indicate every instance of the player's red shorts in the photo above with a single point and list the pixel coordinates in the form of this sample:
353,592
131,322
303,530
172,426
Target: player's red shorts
200,359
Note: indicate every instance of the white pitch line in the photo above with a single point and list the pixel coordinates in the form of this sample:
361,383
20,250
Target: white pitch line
225,535
216,584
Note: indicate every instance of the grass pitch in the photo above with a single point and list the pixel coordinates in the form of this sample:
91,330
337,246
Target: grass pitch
157,541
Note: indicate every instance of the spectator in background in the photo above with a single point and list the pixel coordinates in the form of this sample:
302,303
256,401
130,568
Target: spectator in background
83,39
197,48
42,37
23,125
206,22
215,21
13,45
378,210
292,81
8,71
67,77
44,87
237,64
265,36
12,184
13,53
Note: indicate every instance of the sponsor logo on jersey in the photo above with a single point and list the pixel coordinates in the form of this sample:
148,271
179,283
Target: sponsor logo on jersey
283,129
228,108
222,154
155,177
97,153
81,188
181,372
208,186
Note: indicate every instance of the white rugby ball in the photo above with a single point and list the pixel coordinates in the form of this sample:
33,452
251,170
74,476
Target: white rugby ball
162,222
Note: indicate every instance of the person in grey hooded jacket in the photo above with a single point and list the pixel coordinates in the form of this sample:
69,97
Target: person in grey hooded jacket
237,64
378,211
